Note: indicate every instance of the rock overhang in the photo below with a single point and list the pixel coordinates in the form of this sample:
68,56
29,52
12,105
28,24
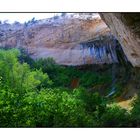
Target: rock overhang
59,37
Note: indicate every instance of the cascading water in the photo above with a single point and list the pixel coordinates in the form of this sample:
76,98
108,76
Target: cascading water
113,74
105,51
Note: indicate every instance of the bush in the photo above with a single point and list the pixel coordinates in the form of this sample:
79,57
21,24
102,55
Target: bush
93,101
58,108
115,116
19,77
62,76
135,113
48,108
24,57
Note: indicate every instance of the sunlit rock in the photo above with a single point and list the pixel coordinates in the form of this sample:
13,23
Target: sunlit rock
75,39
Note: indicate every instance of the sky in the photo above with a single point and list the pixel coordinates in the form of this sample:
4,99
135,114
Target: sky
22,17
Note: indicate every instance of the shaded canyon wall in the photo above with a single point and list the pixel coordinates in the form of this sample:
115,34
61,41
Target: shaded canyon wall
126,28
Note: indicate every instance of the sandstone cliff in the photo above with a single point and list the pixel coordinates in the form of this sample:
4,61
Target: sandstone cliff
63,38
126,28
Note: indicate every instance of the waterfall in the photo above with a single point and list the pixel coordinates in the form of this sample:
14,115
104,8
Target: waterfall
106,51
113,73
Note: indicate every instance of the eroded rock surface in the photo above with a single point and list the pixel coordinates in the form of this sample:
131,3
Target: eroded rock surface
126,28
63,38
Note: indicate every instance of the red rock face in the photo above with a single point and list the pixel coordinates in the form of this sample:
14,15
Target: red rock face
58,38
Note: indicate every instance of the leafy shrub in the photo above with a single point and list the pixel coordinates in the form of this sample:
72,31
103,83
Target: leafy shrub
24,57
135,113
60,109
19,77
115,116
93,101
62,76
58,74
45,64
48,108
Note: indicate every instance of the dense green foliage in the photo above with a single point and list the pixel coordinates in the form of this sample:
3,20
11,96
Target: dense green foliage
39,94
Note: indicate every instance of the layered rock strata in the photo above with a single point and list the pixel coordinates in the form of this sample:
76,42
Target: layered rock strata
75,40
